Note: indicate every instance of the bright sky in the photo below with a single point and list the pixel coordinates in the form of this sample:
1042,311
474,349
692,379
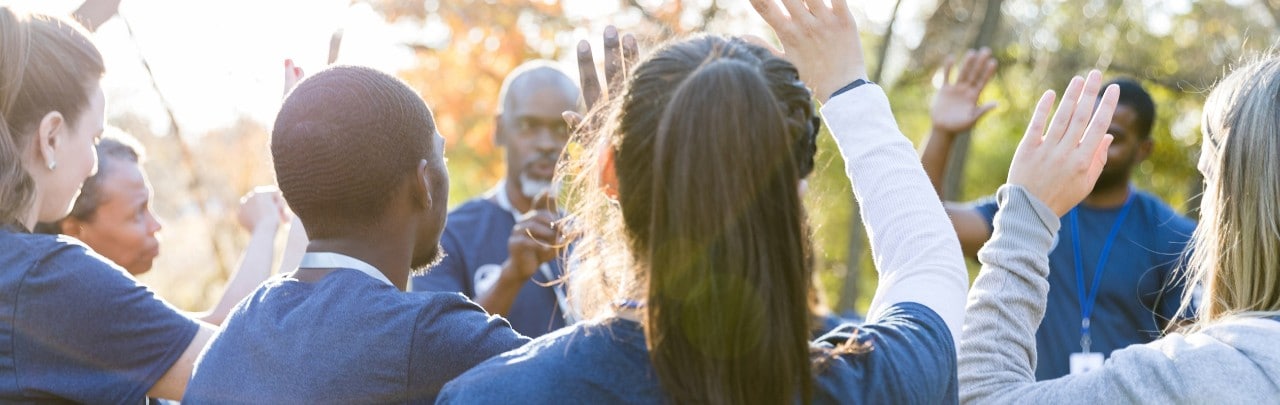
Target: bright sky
216,61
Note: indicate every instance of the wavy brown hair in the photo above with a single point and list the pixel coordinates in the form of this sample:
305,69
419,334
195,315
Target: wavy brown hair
711,137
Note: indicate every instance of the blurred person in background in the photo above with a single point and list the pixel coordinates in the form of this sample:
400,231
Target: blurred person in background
502,248
113,216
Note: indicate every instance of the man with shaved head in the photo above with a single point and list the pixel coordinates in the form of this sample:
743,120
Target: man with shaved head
501,248
358,159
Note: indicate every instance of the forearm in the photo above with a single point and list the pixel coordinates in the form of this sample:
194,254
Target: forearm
254,268
913,244
934,157
998,346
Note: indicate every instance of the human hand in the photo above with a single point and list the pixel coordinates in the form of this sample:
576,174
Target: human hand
262,208
620,54
955,107
1060,166
534,240
292,75
822,41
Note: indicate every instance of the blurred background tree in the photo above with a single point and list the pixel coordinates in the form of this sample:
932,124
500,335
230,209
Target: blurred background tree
463,48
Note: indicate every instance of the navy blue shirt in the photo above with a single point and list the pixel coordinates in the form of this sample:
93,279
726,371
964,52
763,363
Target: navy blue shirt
347,338
475,246
913,361
1139,290
74,327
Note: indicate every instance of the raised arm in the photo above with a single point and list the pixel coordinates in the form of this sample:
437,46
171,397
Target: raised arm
1051,172
955,110
261,213
914,249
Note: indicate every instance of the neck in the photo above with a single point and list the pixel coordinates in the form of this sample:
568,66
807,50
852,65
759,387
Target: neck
516,196
1108,197
391,257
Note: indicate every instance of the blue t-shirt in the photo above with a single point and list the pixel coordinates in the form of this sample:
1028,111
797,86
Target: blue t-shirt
913,361
475,246
1140,282
346,338
75,327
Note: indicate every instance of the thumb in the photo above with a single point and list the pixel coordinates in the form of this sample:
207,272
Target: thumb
572,118
984,109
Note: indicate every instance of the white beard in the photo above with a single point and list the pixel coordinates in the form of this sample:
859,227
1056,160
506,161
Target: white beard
531,187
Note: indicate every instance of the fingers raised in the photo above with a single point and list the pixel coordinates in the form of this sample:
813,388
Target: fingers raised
591,91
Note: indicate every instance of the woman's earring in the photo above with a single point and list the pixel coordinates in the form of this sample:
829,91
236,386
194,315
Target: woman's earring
52,165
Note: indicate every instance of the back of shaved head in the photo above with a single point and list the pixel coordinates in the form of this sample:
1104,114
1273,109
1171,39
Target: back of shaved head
343,143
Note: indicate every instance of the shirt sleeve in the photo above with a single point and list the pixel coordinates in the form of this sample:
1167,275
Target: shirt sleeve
987,208
909,358
454,335
87,331
913,244
450,275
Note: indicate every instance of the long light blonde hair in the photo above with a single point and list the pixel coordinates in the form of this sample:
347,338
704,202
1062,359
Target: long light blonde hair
1236,257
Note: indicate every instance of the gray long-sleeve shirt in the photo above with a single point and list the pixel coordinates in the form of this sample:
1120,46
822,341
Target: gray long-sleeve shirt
1234,361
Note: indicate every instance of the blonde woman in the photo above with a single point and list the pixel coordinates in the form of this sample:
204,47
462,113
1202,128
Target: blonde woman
1229,355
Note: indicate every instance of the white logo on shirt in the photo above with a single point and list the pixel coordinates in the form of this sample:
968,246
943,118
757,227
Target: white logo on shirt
486,276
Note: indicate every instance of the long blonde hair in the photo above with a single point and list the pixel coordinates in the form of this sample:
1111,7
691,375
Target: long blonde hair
1236,257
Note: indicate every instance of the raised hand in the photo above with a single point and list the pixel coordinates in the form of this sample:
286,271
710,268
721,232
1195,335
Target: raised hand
1060,165
620,53
822,41
292,75
955,107
262,207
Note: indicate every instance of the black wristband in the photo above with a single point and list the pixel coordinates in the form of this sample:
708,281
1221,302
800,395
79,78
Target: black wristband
850,86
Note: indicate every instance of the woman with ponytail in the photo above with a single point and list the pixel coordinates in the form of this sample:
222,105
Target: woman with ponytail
73,327
692,257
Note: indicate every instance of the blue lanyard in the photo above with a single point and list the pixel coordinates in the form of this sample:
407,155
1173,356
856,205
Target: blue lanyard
1089,297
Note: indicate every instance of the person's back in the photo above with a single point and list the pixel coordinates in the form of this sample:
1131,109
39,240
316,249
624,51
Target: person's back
692,261
347,338
358,159
608,362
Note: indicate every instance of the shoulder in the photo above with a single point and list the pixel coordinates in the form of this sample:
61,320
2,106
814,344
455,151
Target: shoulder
1161,214
569,359
906,356
64,261
985,206
1207,364
475,209
1166,226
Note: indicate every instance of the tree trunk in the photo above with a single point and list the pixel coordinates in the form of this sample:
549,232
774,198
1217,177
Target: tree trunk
857,235
953,184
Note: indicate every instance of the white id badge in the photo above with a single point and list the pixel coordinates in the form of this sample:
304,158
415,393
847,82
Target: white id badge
1085,362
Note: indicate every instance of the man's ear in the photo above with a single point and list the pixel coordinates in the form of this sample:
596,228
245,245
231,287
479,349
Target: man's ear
499,131
608,171
71,227
47,139
1145,147
421,188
